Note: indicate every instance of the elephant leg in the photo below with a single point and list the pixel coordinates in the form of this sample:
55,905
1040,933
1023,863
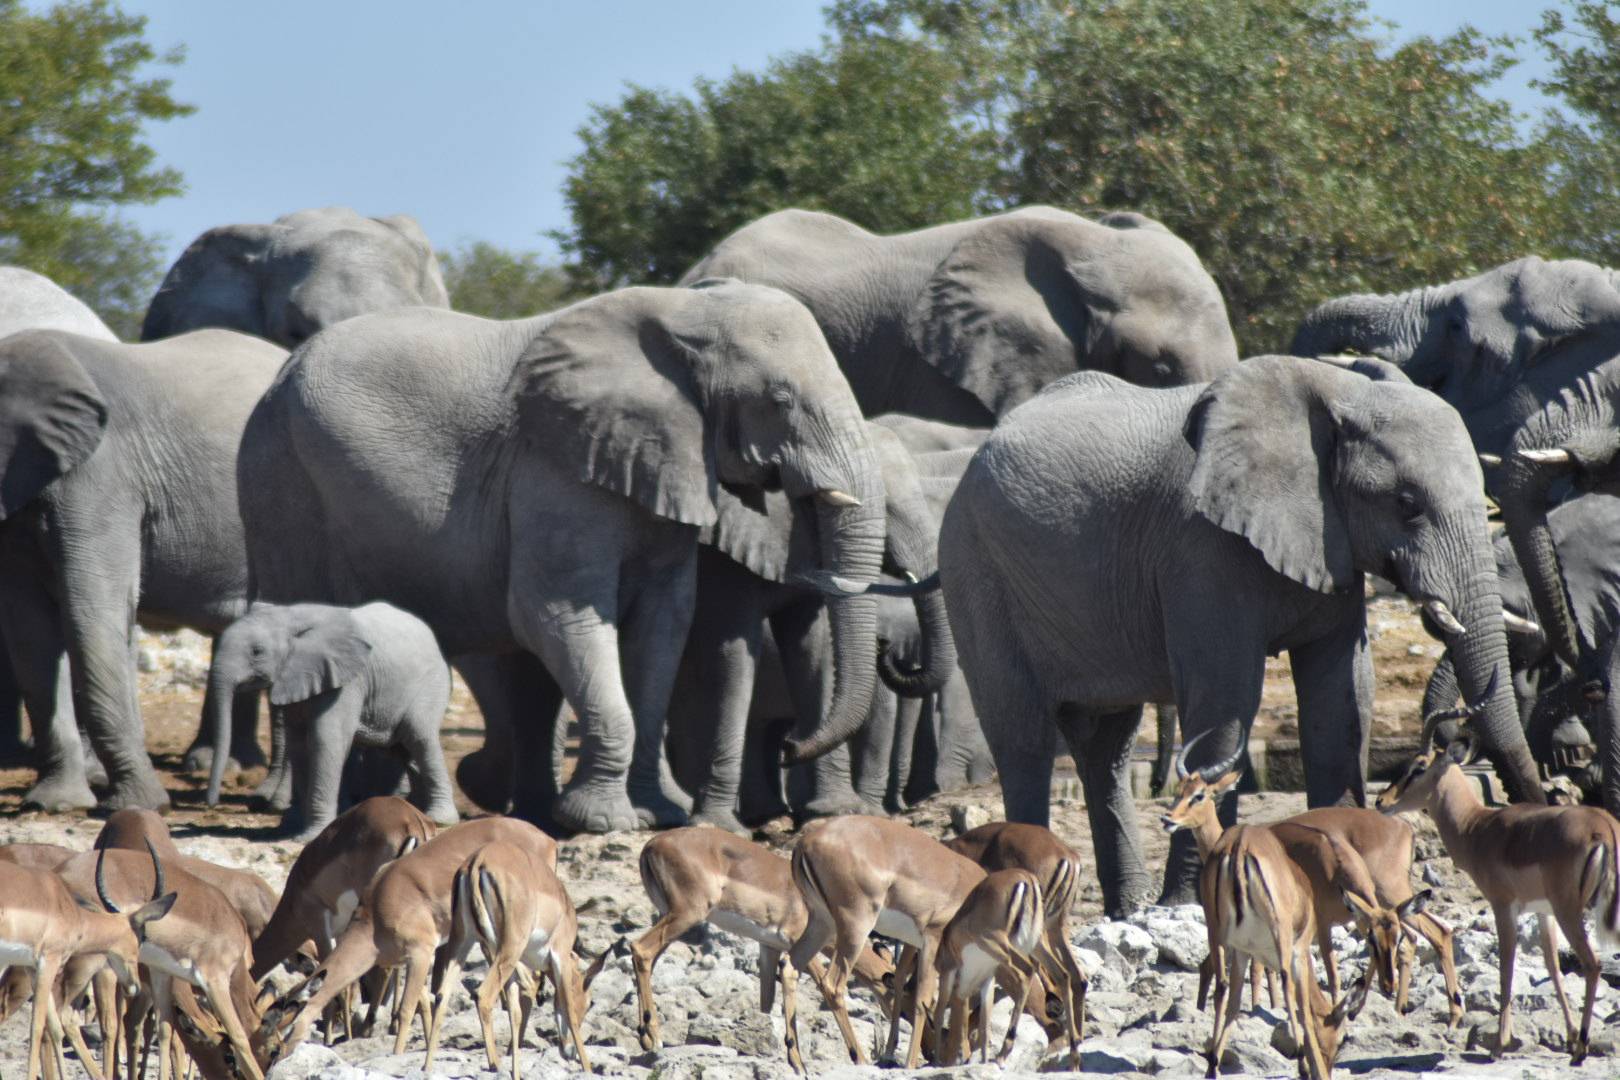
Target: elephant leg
1102,746
13,747
419,736
1164,751
1333,683
728,658
907,721
803,635
871,752
1603,721
1023,742
652,634
38,656
925,764
275,790
520,702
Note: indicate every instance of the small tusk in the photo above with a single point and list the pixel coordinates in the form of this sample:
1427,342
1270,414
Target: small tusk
1519,624
834,497
1490,461
1442,615
1554,456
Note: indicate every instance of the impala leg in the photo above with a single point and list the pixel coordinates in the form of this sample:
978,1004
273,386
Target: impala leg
1324,942
1225,1017
1549,954
1022,971
570,987
922,1003
75,1036
44,980
106,995
53,1027
788,976
1299,970
942,1046
1404,955
1575,929
163,1009
514,1020
441,1005
905,970
1271,988
488,992
410,998
1507,942
644,956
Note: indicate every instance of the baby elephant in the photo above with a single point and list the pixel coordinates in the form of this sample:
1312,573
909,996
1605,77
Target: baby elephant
337,677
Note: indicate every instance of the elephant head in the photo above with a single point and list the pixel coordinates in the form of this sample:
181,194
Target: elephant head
1058,292
1330,474
306,271
1472,341
295,651
52,416
30,301
665,395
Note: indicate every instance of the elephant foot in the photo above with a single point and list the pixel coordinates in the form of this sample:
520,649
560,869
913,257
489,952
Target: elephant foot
662,805
721,817
442,812
59,794
275,792
199,760
95,773
1176,894
142,792
487,780
599,807
834,803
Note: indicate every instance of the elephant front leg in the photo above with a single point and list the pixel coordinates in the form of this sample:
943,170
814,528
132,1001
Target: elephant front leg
419,735
653,631
38,657
275,790
728,663
101,647
321,732
1333,683
1102,746
825,786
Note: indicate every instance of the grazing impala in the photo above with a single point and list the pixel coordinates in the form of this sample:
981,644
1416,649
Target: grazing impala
324,886
1561,862
134,829
1010,845
510,901
995,936
858,874
402,920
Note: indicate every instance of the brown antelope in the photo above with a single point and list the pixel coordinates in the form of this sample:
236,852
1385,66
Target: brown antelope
402,920
1009,845
36,856
995,936
324,886
509,901
1560,862
696,875
134,829
858,874
42,926
202,942
1384,844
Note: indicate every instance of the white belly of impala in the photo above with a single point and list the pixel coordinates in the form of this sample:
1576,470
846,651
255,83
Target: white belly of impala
734,923
160,959
977,966
344,911
900,926
16,954
537,953
1253,938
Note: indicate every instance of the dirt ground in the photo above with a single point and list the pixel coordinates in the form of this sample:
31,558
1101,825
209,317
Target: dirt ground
1142,1018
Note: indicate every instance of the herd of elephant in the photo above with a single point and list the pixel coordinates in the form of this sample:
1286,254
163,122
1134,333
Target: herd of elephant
839,521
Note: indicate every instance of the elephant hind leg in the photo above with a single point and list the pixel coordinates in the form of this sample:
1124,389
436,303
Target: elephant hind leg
1102,746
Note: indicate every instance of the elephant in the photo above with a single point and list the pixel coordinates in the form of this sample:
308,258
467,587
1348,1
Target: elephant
1586,533
336,677
754,572
117,502
1476,342
534,489
299,274
961,322
1111,545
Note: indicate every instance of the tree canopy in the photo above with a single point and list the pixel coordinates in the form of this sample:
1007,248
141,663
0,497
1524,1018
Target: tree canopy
1299,150
1585,140
75,96
491,281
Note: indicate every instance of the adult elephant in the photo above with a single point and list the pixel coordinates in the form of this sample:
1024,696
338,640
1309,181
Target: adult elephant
753,574
536,487
117,502
1482,343
30,301
299,274
961,322
1112,545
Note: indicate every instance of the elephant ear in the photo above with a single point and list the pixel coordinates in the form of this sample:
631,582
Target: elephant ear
215,282
608,388
52,415
1265,435
764,532
1002,315
322,656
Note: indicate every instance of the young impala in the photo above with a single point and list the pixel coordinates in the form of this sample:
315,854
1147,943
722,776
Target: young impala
1561,862
994,936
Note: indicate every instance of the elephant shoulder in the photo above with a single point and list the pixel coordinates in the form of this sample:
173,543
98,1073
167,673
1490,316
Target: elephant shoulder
756,252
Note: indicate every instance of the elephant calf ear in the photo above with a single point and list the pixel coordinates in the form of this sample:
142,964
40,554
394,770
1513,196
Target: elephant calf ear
1265,437
321,658
52,416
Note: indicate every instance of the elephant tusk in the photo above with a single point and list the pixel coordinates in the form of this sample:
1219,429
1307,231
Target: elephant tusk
834,497
1490,461
1442,615
1555,456
1519,624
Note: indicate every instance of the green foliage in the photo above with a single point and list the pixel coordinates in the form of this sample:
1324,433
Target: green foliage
75,103
1585,55
860,130
499,284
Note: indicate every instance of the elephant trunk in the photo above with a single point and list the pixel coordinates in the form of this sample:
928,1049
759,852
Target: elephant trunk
914,549
851,546
223,686
1442,690
1386,326
1524,500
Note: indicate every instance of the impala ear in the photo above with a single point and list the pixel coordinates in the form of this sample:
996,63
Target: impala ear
321,657
1415,904
52,415
150,912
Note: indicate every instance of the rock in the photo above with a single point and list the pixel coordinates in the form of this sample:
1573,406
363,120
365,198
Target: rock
1249,1053
1432,875
146,661
1120,943
966,817
1179,934
308,1057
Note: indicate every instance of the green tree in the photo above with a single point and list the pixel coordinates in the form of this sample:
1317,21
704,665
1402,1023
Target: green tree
76,98
861,130
499,284
1584,49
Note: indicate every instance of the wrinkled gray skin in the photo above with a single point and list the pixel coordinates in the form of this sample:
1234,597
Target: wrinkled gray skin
299,274
750,578
117,502
30,301
1586,531
336,677
1483,343
1247,511
537,487
961,322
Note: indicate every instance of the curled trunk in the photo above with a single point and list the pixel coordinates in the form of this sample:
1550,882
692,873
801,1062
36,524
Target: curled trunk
938,652
1525,504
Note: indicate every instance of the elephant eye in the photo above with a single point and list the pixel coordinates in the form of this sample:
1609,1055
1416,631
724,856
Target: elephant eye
783,396
1410,509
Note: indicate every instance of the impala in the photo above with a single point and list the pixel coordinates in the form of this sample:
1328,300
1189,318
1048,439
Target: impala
135,829
1561,862
858,874
993,937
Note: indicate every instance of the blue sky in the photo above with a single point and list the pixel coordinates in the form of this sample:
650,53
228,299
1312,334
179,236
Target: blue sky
464,114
